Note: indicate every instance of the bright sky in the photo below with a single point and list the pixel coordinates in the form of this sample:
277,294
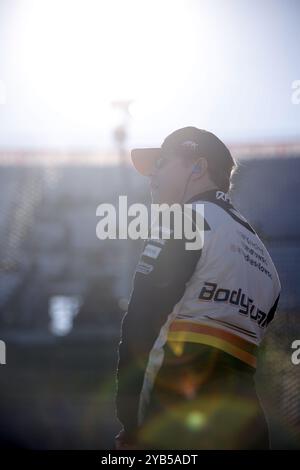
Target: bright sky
224,65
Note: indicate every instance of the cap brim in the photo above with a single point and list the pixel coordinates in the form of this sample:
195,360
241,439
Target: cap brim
144,159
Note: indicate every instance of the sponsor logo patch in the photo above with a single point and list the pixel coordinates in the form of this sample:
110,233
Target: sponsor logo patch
151,251
144,268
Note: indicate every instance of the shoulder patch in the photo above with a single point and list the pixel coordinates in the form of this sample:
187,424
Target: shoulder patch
151,251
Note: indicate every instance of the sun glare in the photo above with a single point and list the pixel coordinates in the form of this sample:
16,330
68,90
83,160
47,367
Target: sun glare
78,56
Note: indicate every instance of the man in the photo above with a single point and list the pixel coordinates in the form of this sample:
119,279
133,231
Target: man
195,319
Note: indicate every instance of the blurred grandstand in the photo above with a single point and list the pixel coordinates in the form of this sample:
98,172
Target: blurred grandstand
63,291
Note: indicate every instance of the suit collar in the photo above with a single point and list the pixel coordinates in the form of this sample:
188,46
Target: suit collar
212,195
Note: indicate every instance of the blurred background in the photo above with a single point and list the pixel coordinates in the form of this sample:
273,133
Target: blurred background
81,83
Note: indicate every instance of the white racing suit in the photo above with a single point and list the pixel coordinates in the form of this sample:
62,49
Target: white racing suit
189,341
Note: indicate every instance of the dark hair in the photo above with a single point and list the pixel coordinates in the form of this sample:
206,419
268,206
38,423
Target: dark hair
221,171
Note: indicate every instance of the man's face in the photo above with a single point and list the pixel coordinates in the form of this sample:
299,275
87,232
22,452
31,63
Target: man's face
169,179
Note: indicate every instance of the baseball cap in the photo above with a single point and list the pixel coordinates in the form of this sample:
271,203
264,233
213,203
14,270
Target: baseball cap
187,142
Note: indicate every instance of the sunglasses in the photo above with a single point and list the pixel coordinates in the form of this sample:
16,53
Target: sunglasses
162,161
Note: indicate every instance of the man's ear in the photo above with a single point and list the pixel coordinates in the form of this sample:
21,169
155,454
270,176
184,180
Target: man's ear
199,168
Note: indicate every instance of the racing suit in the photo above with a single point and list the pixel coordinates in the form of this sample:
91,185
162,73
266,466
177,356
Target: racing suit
187,355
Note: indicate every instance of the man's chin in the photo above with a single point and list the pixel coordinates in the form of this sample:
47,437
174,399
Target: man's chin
156,198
